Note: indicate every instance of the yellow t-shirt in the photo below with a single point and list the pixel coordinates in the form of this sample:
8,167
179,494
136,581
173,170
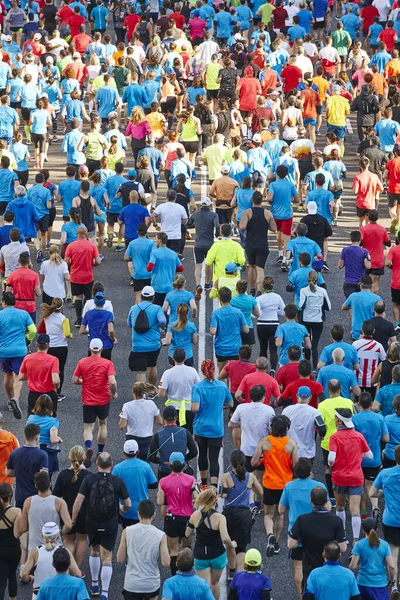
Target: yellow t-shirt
156,121
322,86
212,72
327,409
266,12
339,108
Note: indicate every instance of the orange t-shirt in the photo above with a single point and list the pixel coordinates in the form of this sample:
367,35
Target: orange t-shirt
8,443
278,464
310,99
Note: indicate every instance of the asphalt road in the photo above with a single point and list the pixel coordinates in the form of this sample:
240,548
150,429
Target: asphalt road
114,275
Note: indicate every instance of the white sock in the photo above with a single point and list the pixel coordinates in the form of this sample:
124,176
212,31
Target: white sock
94,564
91,104
106,574
342,515
356,526
280,252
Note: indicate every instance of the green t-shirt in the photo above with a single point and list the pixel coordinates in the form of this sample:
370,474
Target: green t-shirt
212,73
340,39
266,12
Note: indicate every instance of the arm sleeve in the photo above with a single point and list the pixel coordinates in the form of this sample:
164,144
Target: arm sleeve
66,328
153,451
191,447
31,331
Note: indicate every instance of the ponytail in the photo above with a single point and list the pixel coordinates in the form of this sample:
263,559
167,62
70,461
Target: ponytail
373,540
76,456
238,462
5,497
312,280
56,306
140,388
182,311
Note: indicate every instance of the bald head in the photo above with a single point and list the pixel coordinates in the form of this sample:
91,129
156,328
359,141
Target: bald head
82,232
104,461
338,356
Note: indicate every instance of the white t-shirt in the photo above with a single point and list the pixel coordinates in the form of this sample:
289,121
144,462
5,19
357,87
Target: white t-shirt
271,307
179,382
171,215
254,420
54,283
310,49
293,115
89,305
291,10
383,7
302,428
305,64
140,416
329,53
54,329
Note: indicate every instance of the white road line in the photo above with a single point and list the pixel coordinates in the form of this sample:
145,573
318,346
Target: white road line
202,321
349,126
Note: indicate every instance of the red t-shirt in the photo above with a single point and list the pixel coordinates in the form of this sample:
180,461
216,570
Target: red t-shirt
259,378
368,13
393,166
269,81
82,41
287,374
310,99
179,19
373,238
291,391
65,13
291,74
387,36
280,15
95,372
23,282
38,369
74,23
394,256
130,22
249,89
81,253
236,370
349,446
366,186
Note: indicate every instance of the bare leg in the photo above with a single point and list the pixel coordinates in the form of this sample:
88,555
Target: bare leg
102,431
375,283
298,577
152,375
214,583
269,512
8,380
236,436
396,312
88,432
252,276
141,376
197,273
395,554
100,241
260,278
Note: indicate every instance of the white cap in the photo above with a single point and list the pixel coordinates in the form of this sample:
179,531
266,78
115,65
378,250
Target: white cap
96,344
225,169
205,202
131,447
257,138
347,421
37,37
76,55
148,291
312,208
50,528
8,38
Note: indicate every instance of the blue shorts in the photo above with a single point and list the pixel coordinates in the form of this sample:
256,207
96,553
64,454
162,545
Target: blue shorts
338,130
373,593
101,219
350,490
11,365
212,563
307,121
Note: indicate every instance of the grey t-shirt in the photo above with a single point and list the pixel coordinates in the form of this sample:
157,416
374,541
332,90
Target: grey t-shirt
205,222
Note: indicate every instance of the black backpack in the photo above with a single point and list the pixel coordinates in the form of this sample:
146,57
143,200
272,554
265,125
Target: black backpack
366,107
142,324
102,501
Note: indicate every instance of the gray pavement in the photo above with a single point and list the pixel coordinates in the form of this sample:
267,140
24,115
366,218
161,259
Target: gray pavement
114,275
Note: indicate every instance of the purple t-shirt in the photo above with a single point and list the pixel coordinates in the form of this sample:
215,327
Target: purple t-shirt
353,257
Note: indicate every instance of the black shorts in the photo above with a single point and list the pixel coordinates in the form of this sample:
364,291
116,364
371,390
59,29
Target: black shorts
350,288
112,218
209,442
141,361
140,595
52,215
200,255
127,522
250,468
391,534
377,271
271,497
248,339
44,223
239,523
370,473
91,413
82,289
139,284
80,525
256,256
39,141
191,147
175,526
395,296
102,534
296,553
226,358
305,167
169,105
3,206
393,199
26,113
15,105
362,212
212,94
319,25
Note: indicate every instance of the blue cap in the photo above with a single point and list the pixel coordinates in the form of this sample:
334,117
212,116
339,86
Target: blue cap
132,173
196,13
28,48
99,299
232,267
304,392
169,71
177,457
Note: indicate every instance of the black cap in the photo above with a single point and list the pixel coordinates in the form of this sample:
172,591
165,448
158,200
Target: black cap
43,338
169,413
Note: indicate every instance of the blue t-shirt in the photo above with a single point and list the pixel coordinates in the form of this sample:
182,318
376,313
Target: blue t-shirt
393,428
320,8
139,251
134,95
131,215
8,117
375,30
165,263
39,121
362,307
336,168
7,179
228,322
289,162
20,152
99,14
137,476
40,196
354,268
107,98
244,15
243,199
388,480
25,216
211,396
387,133
274,149
152,88
296,31
299,280
291,333
97,192
351,23
346,378
245,303
182,339
296,497
298,246
259,160
16,84
373,427
186,585
25,462
74,156
29,95
250,585
5,235
282,193
350,354
175,298
45,424
112,185
381,58
71,229
155,158
5,73
97,320
323,582
223,21
63,586
305,17
309,179
372,566
13,325
385,397
149,341
323,198
192,92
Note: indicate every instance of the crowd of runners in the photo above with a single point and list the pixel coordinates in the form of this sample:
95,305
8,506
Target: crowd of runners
142,100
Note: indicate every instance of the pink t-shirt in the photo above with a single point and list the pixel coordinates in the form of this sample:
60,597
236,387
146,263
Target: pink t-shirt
177,488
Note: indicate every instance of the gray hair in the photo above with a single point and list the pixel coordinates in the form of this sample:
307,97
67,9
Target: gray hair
20,190
219,138
338,355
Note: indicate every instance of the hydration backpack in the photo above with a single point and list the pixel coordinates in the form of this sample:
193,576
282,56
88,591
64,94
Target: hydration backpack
142,324
102,502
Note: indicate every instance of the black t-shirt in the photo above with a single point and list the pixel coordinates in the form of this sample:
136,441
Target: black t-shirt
377,159
120,490
384,330
49,12
68,490
318,228
314,530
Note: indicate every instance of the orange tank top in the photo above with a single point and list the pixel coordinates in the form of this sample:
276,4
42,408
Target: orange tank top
277,463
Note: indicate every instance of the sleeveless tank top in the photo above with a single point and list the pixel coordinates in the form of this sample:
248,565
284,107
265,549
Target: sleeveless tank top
386,372
189,133
277,463
7,539
94,149
257,229
168,90
42,511
208,541
239,495
143,548
44,566
87,213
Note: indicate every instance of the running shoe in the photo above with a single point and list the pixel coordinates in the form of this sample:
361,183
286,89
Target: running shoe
334,223
284,268
317,132
40,257
253,292
279,260
300,207
54,138
395,594
60,397
94,590
397,329
87,463
10,408
47,245
131,283
69,297
119,248
181,257
231,574
271,541
110,240
151,395
203,486
325,267
333,502
199,291
314,375
235,231
101,257
207,286
277,548
16,408
376,514
103,597
78,323
272,372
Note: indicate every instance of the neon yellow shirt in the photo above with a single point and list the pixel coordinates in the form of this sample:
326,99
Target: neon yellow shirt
266,12
212,73
327,409
339,108
223,252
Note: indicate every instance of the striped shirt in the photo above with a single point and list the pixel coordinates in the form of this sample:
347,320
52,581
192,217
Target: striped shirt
370,354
